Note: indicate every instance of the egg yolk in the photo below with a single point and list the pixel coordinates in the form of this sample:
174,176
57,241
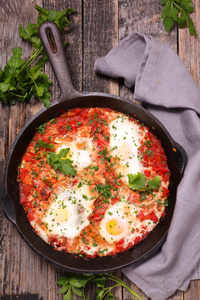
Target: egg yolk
68,155
81,145
61,215
113,227
124,152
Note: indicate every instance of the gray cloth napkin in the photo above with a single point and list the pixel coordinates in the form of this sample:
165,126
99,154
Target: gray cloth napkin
162,82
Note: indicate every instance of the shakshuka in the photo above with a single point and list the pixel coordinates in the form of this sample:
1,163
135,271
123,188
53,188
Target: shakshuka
94,182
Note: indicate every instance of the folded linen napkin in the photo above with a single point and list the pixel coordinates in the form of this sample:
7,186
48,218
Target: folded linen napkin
163,83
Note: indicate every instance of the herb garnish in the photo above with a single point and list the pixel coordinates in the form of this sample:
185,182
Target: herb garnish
139,182
104,190
106,156
76,284
20,79
59,161
43,144
178,11
42,128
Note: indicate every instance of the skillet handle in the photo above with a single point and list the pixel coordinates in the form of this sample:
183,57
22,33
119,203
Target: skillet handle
51,40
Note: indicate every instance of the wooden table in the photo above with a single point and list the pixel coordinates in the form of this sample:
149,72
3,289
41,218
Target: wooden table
97,27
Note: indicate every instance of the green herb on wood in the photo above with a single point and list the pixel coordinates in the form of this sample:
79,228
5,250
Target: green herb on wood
22,79
178,11
75,284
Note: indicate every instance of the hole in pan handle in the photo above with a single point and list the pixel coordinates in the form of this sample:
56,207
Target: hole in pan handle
53,45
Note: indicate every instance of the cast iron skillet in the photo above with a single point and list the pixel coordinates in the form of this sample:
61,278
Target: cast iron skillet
69,99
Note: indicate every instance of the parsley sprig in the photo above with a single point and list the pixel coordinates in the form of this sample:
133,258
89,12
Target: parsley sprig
59,161
139,182
178,11
75,284
21,79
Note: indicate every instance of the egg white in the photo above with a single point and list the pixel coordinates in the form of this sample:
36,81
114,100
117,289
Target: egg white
124,143
68,214
117,222
80,151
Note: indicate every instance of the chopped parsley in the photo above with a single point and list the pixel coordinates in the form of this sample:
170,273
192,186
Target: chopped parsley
42,128
103,190
42,144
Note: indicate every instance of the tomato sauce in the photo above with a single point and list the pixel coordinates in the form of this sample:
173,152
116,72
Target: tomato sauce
44,175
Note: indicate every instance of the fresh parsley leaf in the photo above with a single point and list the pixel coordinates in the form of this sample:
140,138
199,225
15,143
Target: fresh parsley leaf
64,288
20,80
77,291
77,283
79,280
64,279
178,11
59,161
138,182
154,183
68,295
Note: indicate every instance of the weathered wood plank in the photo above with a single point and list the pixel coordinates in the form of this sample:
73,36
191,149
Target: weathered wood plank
12,118
189,52
143,17
189,46
100,34
177,296
193,292
10,11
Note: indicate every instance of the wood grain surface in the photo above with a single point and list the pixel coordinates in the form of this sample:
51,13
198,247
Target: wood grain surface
95,29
